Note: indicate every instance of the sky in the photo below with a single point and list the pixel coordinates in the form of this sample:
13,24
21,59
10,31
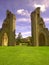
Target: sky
22,10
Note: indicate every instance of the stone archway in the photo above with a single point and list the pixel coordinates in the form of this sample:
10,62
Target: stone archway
5,39
42,39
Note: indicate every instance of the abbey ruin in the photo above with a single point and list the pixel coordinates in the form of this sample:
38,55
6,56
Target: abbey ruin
39,32
7,32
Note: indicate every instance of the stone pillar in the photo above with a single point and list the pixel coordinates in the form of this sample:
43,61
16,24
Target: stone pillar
34,26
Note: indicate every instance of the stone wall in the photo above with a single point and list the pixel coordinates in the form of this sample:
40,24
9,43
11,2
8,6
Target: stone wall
7,32
38,29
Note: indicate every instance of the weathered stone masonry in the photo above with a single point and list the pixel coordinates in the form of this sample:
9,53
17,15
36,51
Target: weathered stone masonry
40,34
7,32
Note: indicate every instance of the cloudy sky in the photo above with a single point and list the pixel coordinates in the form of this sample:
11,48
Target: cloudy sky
22,10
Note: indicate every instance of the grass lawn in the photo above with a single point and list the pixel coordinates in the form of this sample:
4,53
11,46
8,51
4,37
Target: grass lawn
24,55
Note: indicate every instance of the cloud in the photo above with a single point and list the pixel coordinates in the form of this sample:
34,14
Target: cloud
1,22
25,30
20,11
42,7
46,3
23,19
43,4
25,34
46,20
23,12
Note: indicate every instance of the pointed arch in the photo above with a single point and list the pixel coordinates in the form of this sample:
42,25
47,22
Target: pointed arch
5,39
42,39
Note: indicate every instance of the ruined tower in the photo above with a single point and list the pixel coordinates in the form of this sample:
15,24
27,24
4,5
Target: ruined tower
7,32
34,24
38,30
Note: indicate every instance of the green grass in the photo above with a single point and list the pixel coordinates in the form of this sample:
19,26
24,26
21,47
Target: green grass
24,55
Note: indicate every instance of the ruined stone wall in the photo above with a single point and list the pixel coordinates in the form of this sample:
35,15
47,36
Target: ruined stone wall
38,29
7,34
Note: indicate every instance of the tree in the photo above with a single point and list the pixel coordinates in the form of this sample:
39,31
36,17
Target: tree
19,36
18,40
